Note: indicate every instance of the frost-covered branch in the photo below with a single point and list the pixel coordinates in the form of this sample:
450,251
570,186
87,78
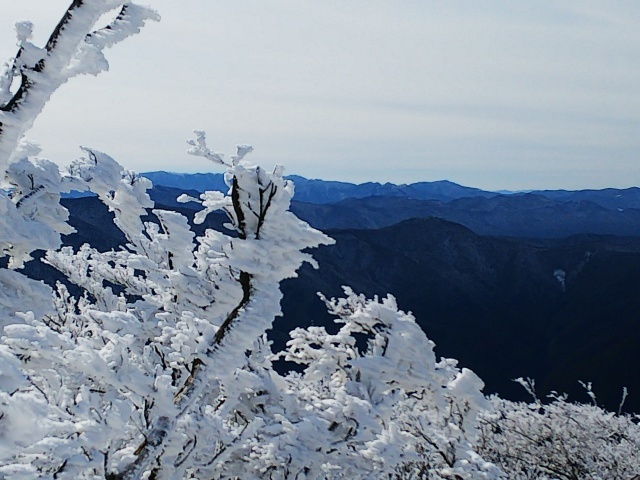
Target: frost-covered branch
74,48
164,324
560,440
267,250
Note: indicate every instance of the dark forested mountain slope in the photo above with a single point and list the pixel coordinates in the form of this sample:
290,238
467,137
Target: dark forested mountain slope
499,305
522,215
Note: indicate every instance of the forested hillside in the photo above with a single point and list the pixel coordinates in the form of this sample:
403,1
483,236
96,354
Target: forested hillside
559,310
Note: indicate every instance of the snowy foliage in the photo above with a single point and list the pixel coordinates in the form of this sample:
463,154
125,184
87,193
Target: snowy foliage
560,440
159,367
74,48
162,323
390,406
31,216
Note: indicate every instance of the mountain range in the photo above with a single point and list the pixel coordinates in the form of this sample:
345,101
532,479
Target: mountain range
540,284
325,191
556,310
536,214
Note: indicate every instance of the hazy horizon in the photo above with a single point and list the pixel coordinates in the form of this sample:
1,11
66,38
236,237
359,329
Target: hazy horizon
498,95
338,180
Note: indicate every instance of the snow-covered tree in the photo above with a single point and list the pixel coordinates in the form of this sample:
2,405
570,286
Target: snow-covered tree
559,439
138,361
392,408
31,217
160,367
75,47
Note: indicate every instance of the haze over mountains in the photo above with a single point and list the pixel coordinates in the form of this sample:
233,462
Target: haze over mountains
540,284
536,214
327,191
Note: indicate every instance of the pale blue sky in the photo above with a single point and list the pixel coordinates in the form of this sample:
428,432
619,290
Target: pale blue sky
492,94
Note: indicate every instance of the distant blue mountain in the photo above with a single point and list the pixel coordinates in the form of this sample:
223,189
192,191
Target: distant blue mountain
325,191
522,215
322,192
200,182
467,267
610,198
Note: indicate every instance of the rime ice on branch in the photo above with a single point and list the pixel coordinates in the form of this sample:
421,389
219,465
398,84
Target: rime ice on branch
75,47
31,216
560,439
162,330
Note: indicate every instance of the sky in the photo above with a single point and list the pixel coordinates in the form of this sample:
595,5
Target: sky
493,94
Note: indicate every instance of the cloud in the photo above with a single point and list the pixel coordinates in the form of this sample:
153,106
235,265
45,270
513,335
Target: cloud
495,87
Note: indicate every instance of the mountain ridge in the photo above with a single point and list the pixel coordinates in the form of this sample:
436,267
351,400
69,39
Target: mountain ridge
318,191
494,301
497,304
523,215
